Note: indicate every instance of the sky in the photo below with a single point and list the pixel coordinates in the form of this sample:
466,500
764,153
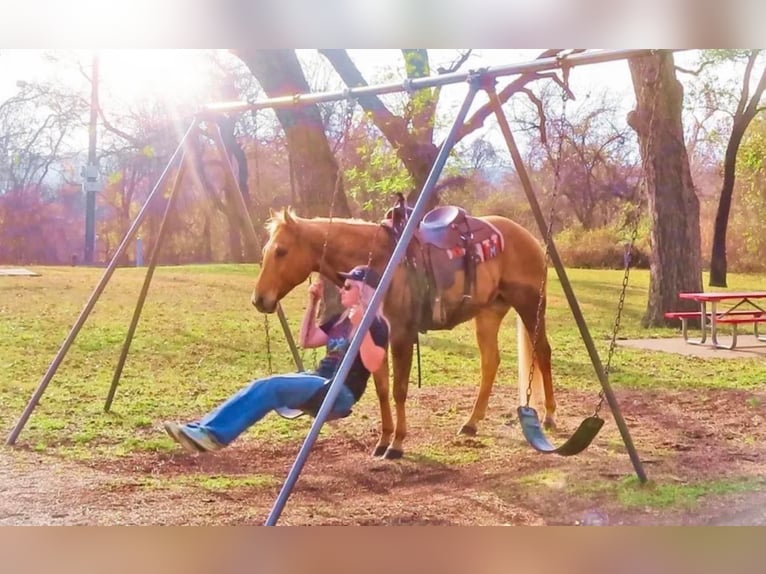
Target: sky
178,76
139,73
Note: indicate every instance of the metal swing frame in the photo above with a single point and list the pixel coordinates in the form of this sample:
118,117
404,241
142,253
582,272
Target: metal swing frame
476,80
182,164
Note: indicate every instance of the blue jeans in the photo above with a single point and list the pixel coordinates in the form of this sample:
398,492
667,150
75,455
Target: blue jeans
252,403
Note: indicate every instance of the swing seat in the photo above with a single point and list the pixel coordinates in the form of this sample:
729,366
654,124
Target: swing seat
578,442
290,414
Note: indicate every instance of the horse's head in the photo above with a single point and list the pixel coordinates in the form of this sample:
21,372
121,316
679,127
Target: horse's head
287,262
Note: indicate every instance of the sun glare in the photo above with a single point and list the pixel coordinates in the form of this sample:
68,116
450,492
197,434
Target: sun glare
176,77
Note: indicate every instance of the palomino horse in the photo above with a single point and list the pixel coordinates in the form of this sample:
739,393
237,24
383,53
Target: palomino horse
298,246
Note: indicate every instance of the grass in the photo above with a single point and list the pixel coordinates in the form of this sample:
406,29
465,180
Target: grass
454,455
630,493
686,496
199,340
213,483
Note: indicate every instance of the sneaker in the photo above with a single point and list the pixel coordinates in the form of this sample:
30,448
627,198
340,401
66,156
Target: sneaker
177,434
201,438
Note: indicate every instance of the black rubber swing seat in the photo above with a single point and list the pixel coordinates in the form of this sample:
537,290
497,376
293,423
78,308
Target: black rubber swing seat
288,413
578,442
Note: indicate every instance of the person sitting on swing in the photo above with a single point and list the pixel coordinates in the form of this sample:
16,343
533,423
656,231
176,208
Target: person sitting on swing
303,391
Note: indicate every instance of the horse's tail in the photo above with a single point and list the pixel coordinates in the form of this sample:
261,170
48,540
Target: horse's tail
524,343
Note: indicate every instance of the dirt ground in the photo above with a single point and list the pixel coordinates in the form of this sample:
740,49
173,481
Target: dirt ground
493,479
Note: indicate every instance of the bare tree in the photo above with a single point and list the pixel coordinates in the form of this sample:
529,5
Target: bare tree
35,125
584,148
411,133
748,105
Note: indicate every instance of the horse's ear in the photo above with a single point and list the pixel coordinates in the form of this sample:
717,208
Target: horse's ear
287,216
272,213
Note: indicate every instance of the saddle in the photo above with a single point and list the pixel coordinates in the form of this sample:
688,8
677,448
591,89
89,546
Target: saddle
447,241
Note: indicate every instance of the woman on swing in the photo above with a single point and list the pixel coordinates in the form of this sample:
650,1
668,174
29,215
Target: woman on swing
303,391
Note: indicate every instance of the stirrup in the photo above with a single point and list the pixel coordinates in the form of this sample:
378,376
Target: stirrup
578,442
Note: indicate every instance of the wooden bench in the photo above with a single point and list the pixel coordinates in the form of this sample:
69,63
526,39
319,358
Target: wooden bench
733,318
745,318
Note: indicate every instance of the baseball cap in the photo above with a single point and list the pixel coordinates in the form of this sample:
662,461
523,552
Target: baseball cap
363,274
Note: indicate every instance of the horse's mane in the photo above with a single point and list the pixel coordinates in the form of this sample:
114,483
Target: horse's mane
279,218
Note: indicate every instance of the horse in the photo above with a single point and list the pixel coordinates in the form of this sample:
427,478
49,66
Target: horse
514,279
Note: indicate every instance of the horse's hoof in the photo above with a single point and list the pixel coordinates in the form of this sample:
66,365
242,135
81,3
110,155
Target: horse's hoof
550,425
467,430
393,454
380,450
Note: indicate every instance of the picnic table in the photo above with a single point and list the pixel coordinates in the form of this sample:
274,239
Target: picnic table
725,308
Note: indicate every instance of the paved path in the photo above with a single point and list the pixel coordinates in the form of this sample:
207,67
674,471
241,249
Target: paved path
748,347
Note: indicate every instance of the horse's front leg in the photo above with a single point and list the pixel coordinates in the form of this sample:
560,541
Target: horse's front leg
401,356
487,326
386,419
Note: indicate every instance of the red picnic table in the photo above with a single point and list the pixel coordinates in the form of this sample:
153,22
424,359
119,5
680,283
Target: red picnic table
741,307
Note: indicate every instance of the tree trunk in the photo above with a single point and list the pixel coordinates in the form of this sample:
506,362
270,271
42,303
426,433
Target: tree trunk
718,256
206,249
238,162
316,170
235,239
748,107
675,262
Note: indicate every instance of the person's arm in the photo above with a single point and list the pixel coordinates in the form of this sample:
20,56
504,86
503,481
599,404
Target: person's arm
311,335
370,352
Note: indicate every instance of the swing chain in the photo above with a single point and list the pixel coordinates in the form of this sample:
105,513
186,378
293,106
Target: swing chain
548,236
634,234
620,305
348,117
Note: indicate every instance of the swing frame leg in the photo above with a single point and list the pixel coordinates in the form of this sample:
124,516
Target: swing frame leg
521,170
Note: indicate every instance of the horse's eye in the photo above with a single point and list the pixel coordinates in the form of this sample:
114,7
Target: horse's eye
280,252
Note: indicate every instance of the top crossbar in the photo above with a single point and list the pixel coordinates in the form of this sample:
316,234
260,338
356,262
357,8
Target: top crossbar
409,85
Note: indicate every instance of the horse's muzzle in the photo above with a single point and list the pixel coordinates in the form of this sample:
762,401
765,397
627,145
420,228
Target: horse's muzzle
263,304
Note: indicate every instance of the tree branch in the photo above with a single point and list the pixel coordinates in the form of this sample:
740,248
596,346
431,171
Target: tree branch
752,106
540,113
694,72
135,142
393,127
477,119
745,93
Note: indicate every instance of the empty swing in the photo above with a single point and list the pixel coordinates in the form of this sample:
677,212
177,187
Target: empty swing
528,418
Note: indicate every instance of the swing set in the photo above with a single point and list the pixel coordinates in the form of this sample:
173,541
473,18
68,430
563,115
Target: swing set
388,260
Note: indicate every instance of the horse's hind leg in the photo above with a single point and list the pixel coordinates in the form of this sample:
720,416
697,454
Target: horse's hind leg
542,353
487,326
386,420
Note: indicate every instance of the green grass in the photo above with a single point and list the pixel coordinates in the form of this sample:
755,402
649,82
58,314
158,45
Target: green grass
213,483
199,340
453,455
630,493
224,483
684,496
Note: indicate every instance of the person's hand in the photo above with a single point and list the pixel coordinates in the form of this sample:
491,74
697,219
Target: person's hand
315,291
